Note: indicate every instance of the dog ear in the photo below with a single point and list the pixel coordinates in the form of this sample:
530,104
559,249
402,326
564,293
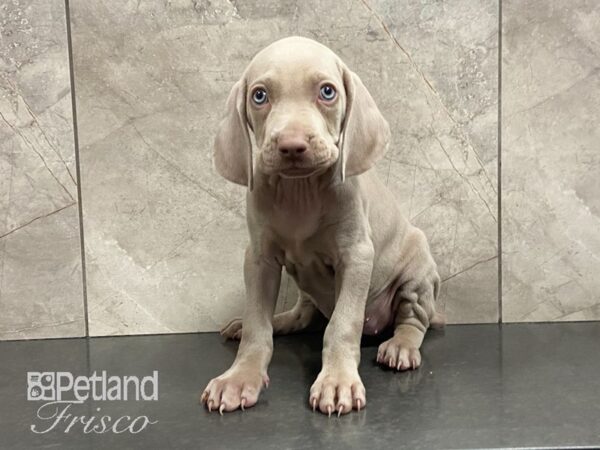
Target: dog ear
365,133
233,148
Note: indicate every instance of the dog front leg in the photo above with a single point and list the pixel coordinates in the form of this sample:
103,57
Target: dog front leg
338,386
241,384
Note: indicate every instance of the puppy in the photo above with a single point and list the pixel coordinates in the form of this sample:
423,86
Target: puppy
316,207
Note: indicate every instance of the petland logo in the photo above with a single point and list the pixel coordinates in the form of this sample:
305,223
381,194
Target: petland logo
62,392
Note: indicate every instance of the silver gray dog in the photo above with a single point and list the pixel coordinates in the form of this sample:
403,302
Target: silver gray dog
316,207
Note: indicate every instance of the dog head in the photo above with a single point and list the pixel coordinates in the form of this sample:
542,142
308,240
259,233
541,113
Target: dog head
307,111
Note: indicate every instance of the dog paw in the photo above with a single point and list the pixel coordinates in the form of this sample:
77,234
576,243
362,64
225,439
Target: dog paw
233,330
338,391
395,355
236,388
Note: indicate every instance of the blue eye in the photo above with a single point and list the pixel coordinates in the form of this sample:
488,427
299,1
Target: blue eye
259,96
327,92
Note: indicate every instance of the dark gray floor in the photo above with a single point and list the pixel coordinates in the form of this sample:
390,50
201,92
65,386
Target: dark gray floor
481,386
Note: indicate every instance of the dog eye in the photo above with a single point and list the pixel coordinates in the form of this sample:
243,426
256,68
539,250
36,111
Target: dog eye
327,92
259,96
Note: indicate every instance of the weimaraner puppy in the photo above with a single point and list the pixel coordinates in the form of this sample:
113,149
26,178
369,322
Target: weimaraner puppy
316,207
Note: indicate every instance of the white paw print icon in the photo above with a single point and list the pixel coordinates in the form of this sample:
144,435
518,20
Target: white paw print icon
36,392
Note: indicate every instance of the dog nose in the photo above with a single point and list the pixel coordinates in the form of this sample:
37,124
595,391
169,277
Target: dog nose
290,146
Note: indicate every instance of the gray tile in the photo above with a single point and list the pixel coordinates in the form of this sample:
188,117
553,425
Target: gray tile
481,386
443,111
40,259
165,235
551,161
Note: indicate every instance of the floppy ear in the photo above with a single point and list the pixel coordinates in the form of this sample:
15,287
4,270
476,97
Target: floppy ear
233,148
365,133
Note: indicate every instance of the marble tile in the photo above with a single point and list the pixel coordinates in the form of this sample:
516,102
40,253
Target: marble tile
165,234
443,159
40,259
551,160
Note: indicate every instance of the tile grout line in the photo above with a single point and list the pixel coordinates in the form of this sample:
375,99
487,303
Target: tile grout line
500,300
77,167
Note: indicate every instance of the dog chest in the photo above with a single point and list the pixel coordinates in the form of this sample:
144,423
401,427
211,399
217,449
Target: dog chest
313,274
